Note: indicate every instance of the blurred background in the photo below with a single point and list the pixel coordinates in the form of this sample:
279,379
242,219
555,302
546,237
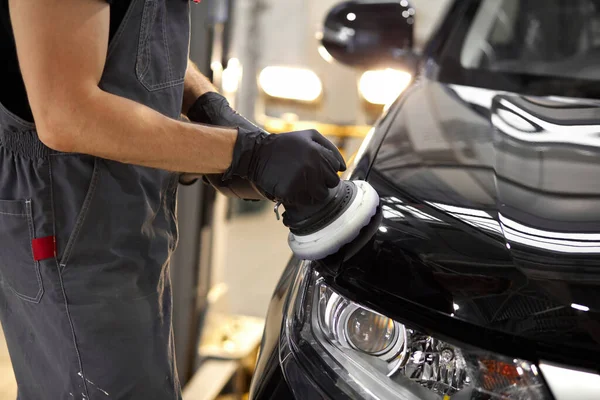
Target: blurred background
265,57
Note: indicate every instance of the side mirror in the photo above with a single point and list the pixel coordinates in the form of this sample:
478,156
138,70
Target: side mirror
371,34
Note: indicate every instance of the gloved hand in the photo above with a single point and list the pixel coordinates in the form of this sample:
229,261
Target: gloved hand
214,109
294,168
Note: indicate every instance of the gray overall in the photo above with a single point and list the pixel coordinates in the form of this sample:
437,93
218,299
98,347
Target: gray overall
85,295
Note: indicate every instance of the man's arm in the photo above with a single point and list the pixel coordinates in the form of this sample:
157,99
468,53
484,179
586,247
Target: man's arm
195,85
62,46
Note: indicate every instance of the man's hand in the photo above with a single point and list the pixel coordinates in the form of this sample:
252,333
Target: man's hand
62,47
294,168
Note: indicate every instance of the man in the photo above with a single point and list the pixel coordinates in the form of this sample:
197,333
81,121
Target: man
90,156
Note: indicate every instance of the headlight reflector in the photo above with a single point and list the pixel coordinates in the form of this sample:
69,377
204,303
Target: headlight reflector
383,86
370,356
290,83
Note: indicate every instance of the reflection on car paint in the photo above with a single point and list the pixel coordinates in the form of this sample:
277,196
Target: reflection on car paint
504,228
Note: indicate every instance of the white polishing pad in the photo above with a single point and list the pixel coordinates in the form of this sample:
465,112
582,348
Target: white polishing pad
344,229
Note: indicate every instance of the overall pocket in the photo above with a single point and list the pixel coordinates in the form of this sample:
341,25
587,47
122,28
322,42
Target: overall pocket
19,271
161,61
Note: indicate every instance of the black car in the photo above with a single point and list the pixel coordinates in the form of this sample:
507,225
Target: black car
483,278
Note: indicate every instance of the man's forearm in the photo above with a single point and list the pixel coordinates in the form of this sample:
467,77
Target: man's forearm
115,128
195,85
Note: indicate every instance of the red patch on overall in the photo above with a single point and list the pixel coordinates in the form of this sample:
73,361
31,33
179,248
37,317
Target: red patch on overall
43,248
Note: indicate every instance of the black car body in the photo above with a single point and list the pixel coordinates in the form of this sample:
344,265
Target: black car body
483,279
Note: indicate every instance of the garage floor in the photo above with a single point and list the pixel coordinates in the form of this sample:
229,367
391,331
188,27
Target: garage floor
257,253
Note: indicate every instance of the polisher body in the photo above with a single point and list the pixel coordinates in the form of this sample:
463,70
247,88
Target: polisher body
320,229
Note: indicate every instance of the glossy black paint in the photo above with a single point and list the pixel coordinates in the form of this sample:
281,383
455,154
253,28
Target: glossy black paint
491,219
268,381
491,202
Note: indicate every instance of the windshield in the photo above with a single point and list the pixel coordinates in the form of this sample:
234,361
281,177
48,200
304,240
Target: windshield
543,47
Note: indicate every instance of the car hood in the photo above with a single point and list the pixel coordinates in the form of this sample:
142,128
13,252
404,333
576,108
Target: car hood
491,216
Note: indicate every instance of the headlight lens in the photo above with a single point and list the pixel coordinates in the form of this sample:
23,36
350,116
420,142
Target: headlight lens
383,86
290,83
366,355
356,328
370,332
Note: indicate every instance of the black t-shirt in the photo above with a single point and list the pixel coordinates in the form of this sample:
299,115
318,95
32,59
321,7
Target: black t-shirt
12,88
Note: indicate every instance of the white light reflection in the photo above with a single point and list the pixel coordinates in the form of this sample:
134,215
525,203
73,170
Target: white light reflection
351,16
516,232
359,154
585,135
563,242
460,210
390,213
566,383
534,369
325,55
456,307
383,229
580,307
478,96
398,209
476,218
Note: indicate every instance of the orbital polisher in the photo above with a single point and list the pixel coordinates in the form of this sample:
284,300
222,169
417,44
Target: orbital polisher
319,230
316,231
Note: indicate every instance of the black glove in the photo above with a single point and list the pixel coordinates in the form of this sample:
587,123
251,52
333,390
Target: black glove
214,109
294,168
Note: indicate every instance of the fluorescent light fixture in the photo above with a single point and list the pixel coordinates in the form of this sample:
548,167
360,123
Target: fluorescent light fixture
580,307
290,83
383,86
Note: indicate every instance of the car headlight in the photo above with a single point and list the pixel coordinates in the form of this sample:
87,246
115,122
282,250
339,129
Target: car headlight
383,86
290,83
353,352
